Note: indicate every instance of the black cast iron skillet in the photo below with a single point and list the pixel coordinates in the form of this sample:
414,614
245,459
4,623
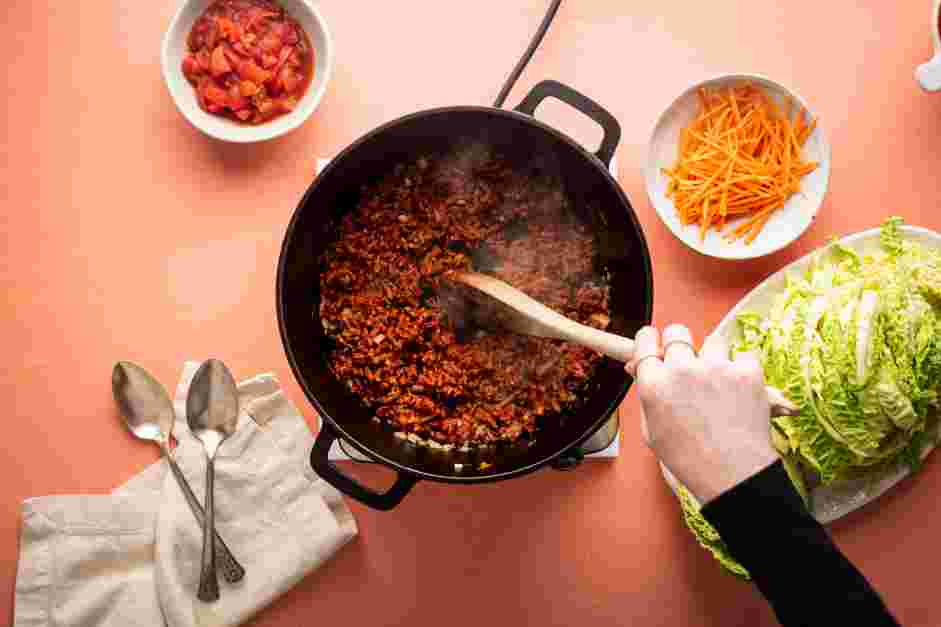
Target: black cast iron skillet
598,200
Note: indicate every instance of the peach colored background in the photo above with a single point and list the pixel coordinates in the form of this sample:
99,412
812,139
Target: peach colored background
129,235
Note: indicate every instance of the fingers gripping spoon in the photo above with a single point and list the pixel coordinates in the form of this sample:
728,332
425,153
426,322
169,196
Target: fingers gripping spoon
212,413
148,413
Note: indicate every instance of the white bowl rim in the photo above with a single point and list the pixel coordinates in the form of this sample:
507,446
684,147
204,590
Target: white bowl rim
650,169
260,133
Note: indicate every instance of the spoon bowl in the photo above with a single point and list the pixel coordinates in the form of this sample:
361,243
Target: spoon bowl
212,405
143,402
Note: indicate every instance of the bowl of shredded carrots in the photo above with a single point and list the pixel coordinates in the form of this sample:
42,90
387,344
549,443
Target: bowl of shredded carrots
738,167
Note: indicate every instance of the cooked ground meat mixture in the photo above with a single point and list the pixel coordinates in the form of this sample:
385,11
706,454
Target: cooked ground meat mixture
394,344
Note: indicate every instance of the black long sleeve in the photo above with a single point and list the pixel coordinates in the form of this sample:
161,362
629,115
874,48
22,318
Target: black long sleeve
792,560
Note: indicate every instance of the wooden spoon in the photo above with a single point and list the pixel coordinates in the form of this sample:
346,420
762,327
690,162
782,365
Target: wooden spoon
502,306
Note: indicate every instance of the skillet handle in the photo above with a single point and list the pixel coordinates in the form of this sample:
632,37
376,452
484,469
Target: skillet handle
569,460
607,122
329,472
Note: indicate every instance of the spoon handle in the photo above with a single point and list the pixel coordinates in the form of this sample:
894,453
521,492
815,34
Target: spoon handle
610,344
208,584
232,571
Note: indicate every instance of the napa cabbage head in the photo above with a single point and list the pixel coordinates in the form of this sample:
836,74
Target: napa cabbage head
855,342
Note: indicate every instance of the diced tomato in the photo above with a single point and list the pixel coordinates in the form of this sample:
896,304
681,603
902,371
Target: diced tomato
247,59
191,69
232,55
212,35
216,95
284,56
249,71
288,79
286,105
196,40
271,42
268,61
219,64
202,57
265,106
256,17
247,50
248,88
229,29
289,35
200,93
236,101
295,59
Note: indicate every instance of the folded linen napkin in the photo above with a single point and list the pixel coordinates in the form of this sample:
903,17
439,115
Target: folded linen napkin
132,557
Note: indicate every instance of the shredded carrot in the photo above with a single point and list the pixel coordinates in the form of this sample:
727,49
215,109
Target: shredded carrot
739,161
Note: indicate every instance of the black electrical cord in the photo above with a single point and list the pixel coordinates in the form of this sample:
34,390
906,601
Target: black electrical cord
521,65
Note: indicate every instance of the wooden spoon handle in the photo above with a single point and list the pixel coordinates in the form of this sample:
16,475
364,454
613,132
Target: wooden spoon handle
609,344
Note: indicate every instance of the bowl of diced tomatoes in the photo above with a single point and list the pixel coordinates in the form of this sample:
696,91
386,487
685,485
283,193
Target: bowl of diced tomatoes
247,70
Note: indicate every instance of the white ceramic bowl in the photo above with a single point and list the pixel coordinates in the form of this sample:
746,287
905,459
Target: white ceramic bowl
184,95
784,226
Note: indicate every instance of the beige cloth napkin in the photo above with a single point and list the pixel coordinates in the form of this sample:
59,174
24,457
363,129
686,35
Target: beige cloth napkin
132,557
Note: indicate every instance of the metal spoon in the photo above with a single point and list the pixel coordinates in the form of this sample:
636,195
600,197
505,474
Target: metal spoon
148,413
212,409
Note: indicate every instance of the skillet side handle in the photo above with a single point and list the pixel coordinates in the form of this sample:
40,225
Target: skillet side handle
585,105
569,460
329,472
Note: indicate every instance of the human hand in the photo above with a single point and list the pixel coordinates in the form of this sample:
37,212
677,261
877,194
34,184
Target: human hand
705,417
